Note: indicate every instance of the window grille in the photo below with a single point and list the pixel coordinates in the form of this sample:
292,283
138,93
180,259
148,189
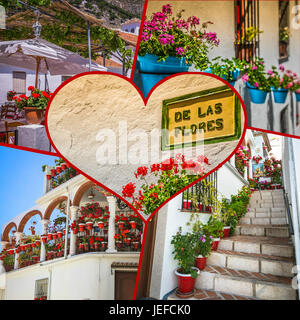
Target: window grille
246,19
41,289
284,30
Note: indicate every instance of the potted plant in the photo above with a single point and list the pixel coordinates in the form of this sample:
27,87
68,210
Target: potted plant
170,44
279,83
185,254
256,80
34,105
214,228
203,249
10,94
227,69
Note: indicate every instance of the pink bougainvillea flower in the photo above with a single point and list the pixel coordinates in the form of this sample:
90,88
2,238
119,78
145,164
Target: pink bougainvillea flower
245,77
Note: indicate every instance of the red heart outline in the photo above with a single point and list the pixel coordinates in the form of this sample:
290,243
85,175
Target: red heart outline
145,102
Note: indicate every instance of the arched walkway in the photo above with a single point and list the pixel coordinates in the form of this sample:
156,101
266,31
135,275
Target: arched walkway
52,206
6,231
80,192
27,216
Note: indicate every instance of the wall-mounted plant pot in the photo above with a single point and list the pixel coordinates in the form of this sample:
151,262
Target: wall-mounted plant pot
33,115
226,231
152,71
280,95
257,96
185,282
201,262
297,96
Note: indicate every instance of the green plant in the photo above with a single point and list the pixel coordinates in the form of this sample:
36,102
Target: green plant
38,99
165,34
251,34
284,34
185,252
202,244
225,68
214,228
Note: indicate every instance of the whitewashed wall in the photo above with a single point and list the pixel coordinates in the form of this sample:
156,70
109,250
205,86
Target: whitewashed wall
170,218
86,276
6,80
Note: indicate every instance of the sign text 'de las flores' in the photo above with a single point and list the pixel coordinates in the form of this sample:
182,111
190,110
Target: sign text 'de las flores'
208,116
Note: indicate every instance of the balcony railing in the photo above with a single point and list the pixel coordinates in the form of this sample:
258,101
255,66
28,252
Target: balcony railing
198,197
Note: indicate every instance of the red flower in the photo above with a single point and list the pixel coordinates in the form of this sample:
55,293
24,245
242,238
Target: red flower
31,88
128,190
141,171
36,95
155,167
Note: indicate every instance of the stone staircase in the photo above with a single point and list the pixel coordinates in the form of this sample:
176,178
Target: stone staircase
256,262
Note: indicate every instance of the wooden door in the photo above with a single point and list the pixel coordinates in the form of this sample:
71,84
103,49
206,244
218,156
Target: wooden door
124,284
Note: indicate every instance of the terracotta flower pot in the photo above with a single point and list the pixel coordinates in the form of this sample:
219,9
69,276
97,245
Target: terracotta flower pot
75,230
48,176
59,234
37,242
100,225
226,231
215,243
200,262
53,172
133,224
185,282
54,236
81,227
89,225
33,115
44,239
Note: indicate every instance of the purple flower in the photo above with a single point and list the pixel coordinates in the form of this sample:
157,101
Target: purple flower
166,39
180,51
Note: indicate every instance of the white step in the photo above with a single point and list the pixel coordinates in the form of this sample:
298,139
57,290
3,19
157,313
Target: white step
262,230
259,245
252,263
273,221
241,284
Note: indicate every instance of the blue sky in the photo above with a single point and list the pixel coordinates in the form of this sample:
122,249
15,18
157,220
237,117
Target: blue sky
21,181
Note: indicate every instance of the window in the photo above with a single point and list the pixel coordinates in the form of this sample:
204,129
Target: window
284,30
41,289
247,29
19,82
64,78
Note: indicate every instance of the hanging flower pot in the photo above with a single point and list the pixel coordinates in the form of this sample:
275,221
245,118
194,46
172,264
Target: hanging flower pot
185,282
280,94
133,224
63,166
89,225
53,172
81,227
135,245
44,239
58,169
201,262
127,241
226,231
121,224
48,176
59,234
257,96
152,71
33,245
100,224
18,250
215,243
54,236
37,242
184,204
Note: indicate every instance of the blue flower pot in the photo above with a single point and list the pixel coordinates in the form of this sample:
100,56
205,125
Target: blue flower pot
256,95
152,71
235,74
280,95
297,96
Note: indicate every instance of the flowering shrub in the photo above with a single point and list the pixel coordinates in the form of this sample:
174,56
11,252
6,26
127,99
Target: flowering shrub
272,168
255,74
167,35
38,99
278,79
173,175
185,252
11,94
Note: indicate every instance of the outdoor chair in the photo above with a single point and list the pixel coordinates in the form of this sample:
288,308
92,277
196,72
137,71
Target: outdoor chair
10,135
10,111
